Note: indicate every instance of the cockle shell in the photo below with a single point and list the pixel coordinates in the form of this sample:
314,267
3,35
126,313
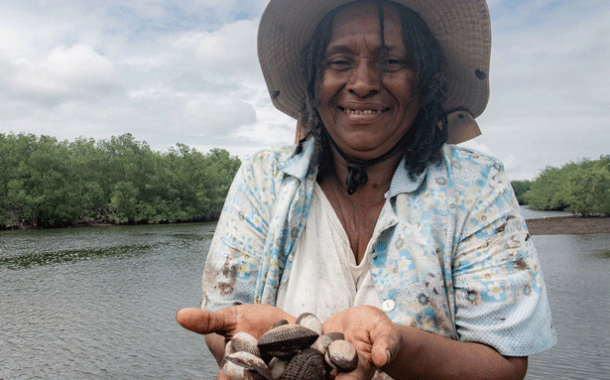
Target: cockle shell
277,367
322,343
310,321
245,342
336,336
286,340
306,365
292,352
279,323
342,355
229,348
245,366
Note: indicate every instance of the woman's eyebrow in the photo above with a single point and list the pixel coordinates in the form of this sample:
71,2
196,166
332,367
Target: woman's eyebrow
335,49
345,49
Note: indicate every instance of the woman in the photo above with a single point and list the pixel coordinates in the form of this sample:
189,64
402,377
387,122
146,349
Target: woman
414,249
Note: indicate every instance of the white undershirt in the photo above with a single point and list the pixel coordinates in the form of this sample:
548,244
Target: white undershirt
325,279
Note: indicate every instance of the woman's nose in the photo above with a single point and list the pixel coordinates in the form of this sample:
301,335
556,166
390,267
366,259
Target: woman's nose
364,79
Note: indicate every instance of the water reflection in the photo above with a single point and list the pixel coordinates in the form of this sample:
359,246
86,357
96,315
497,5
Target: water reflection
528,213
99,303
67,256
576,269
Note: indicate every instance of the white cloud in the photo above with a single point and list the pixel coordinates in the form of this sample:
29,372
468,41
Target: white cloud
169,71
230,50
79,65
209,115
66,73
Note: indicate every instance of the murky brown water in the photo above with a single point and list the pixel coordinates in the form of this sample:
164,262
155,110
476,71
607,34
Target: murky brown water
99,303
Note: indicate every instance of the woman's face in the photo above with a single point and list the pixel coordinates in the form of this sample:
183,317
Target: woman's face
365,114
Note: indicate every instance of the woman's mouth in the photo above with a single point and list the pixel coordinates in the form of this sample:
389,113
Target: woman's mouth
361,111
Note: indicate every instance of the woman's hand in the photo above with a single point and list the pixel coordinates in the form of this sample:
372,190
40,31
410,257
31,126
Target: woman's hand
405,352
253,319
376,338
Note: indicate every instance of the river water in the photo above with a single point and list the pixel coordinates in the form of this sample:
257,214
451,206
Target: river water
99,303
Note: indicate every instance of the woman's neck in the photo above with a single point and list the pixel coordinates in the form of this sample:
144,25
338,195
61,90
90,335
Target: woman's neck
379,177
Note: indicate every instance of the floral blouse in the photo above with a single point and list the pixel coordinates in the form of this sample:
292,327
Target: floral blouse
451,256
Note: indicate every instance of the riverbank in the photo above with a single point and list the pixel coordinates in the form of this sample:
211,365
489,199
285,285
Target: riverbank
568,225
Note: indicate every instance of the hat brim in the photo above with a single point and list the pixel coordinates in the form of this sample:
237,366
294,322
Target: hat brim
462,28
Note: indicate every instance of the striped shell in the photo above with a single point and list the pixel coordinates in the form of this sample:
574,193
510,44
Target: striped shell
306,365
243,365
286,340
245,342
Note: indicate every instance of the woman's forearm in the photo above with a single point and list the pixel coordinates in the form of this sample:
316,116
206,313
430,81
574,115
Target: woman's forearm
424,355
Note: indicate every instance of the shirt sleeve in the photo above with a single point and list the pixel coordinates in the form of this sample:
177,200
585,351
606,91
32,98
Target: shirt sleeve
232,264
501,299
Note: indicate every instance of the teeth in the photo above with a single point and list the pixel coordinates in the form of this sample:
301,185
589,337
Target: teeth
360,112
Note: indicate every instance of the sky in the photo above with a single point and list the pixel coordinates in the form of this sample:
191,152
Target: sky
187,72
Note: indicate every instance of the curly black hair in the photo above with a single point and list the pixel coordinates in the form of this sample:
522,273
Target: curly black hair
429,130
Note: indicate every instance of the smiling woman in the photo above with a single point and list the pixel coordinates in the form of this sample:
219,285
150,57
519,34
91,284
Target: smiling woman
366,113
414,249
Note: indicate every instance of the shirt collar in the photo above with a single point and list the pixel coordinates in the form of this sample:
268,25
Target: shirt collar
402,183
298,166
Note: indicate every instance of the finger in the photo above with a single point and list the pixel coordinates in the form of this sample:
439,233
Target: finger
384,349
204,321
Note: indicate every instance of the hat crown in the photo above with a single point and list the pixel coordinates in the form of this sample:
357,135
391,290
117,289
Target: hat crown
462,28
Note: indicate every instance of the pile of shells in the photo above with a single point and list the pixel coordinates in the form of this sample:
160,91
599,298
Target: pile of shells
289,352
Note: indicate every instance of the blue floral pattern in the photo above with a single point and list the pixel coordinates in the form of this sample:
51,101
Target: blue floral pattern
451,248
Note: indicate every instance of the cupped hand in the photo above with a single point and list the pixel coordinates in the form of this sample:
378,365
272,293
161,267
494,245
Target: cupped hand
253,319
375,336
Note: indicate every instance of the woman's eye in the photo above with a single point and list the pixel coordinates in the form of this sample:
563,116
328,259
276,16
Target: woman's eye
339,64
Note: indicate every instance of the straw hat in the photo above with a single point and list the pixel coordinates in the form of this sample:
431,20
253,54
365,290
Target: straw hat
462,27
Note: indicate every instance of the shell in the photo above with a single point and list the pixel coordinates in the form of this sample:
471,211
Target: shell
229,348
342,355
277,367
310,321
306,365
243,365
279,323
336,336
245,342
286,340
322,343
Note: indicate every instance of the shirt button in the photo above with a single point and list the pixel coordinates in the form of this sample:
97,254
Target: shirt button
388,305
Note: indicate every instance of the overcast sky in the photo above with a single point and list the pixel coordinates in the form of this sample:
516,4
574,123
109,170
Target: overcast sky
186,72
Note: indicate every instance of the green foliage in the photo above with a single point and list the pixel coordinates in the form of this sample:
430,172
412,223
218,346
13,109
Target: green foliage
582,188
588,190
44,182
520,188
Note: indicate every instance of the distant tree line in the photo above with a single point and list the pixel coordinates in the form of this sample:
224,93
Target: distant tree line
50,183
581,187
